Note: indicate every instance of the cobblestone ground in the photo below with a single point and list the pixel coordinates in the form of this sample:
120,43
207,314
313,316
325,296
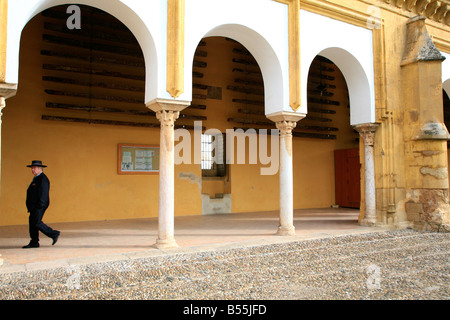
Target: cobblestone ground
382,265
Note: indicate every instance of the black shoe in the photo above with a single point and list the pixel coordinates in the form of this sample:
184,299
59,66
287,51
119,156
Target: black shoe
55,239
31,245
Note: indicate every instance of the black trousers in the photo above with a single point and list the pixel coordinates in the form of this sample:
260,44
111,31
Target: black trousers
36,225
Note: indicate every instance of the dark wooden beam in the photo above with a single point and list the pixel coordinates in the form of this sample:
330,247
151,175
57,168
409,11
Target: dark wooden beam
248,72
93,96
323,101
67,106
92,45
247,101
135,63
265,123
250,82
91,33
245,62
105,85
246,90
92,71
112,122
295,134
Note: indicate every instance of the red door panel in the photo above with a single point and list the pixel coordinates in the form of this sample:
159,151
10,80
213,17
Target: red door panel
347,178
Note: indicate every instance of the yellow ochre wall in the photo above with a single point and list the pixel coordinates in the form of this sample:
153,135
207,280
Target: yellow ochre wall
82,158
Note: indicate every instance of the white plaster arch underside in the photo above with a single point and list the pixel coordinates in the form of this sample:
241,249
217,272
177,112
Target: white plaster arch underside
446,73
446,86
266,58
131,13
352,54
264,35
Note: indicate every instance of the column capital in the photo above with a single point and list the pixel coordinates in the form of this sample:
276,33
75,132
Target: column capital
286,127
285,121
167,105
8,90
167,117
285,116
367,132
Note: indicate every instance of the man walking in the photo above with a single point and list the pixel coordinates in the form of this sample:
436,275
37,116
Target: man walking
37,202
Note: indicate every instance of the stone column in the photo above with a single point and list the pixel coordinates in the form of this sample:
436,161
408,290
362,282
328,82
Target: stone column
167,111
424,132
286,122
367,133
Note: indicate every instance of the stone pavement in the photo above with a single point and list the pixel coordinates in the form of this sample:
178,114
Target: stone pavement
83,242
354,263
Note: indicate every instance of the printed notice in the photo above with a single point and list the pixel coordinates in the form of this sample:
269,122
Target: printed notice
138,159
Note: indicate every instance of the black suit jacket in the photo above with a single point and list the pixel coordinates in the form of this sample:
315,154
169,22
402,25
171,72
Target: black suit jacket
38,198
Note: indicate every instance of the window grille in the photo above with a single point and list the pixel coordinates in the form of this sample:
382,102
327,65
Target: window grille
213,155
207,152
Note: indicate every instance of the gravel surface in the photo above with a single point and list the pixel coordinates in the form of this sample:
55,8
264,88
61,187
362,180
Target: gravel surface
387,265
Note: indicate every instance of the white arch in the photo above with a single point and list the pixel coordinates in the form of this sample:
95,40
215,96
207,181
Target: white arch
20,12
357,84
353,55
265,57
446,73
264,34
446,86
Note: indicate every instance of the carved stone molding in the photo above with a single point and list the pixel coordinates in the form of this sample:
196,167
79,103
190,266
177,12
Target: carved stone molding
285,119
286,127
432,9
167,104
167,117
367,132
419,46
8,90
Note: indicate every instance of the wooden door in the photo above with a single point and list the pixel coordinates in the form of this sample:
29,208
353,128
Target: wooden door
347,177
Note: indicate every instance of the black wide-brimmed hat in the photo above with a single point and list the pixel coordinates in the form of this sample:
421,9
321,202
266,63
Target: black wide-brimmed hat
36,163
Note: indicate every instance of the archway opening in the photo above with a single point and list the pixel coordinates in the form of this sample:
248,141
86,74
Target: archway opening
98,69
361,95
80,94
228,96
327,145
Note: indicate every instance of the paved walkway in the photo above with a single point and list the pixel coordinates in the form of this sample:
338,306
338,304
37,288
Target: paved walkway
99,241
227,257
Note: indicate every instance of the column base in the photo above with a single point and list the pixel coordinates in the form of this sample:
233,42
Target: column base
286,231
368,223
165,244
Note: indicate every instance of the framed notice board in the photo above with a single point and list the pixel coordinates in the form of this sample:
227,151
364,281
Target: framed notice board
138,159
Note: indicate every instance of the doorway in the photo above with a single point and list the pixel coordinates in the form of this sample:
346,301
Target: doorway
347,178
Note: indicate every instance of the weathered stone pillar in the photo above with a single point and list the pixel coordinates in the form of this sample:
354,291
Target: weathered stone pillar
167,111
286,122
425,134
367,133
